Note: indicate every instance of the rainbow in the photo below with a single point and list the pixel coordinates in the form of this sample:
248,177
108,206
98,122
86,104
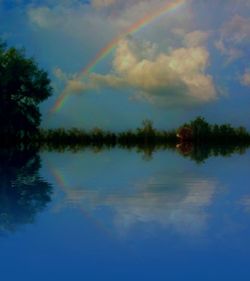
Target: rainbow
135,27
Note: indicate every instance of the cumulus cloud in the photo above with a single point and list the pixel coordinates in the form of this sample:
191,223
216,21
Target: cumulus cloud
234,35
175,78
245,79
196,38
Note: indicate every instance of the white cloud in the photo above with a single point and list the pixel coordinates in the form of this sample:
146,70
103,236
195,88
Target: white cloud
76,86
175,78
236,30
245,79
59,74
43,17
196,38
231,53
234,35
116,13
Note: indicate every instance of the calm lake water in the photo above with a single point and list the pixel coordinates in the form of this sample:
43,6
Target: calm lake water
119,215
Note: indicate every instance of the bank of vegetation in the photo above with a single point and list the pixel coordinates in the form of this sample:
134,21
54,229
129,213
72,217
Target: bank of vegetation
197,132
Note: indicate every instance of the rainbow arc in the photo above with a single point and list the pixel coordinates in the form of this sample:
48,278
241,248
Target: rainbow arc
135,27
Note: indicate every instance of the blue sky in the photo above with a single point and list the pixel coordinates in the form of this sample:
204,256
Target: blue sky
191,61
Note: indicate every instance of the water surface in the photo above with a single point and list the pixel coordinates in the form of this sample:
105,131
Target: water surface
119,215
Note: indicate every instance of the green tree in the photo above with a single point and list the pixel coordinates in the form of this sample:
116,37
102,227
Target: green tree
200,128
147,128
23,86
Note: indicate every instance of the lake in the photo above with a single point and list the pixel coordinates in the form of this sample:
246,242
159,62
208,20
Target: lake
122,215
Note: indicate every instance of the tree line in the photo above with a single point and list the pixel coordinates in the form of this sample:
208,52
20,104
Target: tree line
197,131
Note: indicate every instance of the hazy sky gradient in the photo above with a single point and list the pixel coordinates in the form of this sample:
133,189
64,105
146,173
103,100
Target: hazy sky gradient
191,61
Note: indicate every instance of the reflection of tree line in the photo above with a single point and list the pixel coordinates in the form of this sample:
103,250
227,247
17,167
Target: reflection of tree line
200,153
196,152
23,193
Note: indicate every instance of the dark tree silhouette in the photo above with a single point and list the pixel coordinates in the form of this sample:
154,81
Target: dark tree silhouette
23,86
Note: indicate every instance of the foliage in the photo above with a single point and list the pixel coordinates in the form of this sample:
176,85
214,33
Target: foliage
144,136
23,85
203,132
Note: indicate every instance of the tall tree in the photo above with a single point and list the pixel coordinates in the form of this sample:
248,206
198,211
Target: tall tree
23,86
